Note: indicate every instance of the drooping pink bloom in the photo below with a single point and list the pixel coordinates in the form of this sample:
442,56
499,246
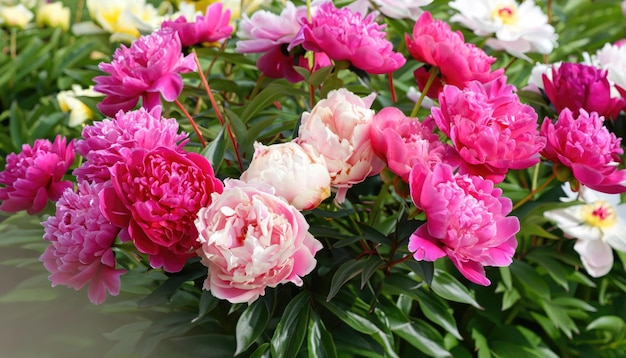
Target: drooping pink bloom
338,128
35,175
155,198
466,221
213,26
403,142
578,86
80,244
149,69
251,239
435,44
583,144
345,35
489,127
110,141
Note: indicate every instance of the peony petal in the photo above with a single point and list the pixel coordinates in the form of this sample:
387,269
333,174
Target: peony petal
596,256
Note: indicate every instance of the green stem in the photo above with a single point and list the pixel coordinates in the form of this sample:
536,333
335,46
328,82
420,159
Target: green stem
380,199
434,71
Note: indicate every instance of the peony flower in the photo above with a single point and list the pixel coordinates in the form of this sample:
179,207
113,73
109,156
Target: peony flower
297,173
578,86
458,62
210,28
35,175
15,16
583,144
466,221
108,142
518,28
69,103
395,9
612,58
490,128
402,142
53,15
338,127
125,20
149,69
598,224
80,244
155,198
535,80
251,239
345,35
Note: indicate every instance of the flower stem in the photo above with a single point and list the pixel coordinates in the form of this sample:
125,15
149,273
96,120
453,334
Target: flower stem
391,88
434,71
193,123
13,44
532,193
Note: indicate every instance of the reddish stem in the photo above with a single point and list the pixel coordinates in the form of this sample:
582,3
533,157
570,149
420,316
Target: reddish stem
193,123
391,88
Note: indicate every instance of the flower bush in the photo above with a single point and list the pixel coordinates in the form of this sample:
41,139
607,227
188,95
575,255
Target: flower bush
281,179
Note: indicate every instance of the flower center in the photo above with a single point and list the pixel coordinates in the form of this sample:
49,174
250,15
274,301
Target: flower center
599,214
506,13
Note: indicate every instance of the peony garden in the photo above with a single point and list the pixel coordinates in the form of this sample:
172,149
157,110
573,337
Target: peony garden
354,178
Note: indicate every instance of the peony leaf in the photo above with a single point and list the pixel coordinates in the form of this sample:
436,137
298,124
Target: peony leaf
451,289
320,342
251,324
345,273
292,327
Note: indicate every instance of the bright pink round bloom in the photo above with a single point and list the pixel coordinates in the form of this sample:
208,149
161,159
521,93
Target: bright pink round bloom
435,44
345,35
213,26
403,142
489,127
586,146
155,198
149,69
80,244
107,142
251,239
578,86
35,175
466,221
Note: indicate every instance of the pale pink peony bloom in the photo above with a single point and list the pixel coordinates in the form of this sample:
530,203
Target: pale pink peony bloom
583,144
296,172
35,175
345,35
155,198
338,127
403,142
149,69
251,239
213,26
395,9
110,141
80,244
490,128
435,44
466,221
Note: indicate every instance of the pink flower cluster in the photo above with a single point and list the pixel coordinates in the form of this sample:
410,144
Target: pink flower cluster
213,26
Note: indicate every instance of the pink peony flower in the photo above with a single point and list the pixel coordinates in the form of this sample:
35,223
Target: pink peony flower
578,86
80,244
210,28
466,221
35,175
583,144
345,35
251,239
297,173
149,69
490,128
435,44
338,127
110,141
403,142
155,198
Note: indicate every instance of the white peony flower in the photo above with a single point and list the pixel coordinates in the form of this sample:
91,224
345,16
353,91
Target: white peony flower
125,20
613,59
395,9
69,103
15,16
54,15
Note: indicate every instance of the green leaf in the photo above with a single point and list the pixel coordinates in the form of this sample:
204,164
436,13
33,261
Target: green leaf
529,279
320,342
167,289
555,269
17,126
345,273
207,303
438,311
372,264
251,324
214,152
274,91
482,347
34,289
613,324
292,327
560,318
262,351
448,287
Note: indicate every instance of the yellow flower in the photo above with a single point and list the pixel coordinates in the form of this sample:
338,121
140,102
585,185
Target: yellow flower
69,103
15,16
125,20
53,15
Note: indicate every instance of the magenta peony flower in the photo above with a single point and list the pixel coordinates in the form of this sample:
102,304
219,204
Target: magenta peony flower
210,28
35,175
586,146
345,35
466,221
403,142
435,44
80,244
155,198
149,69
489,127
110,141
251,239
578,86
